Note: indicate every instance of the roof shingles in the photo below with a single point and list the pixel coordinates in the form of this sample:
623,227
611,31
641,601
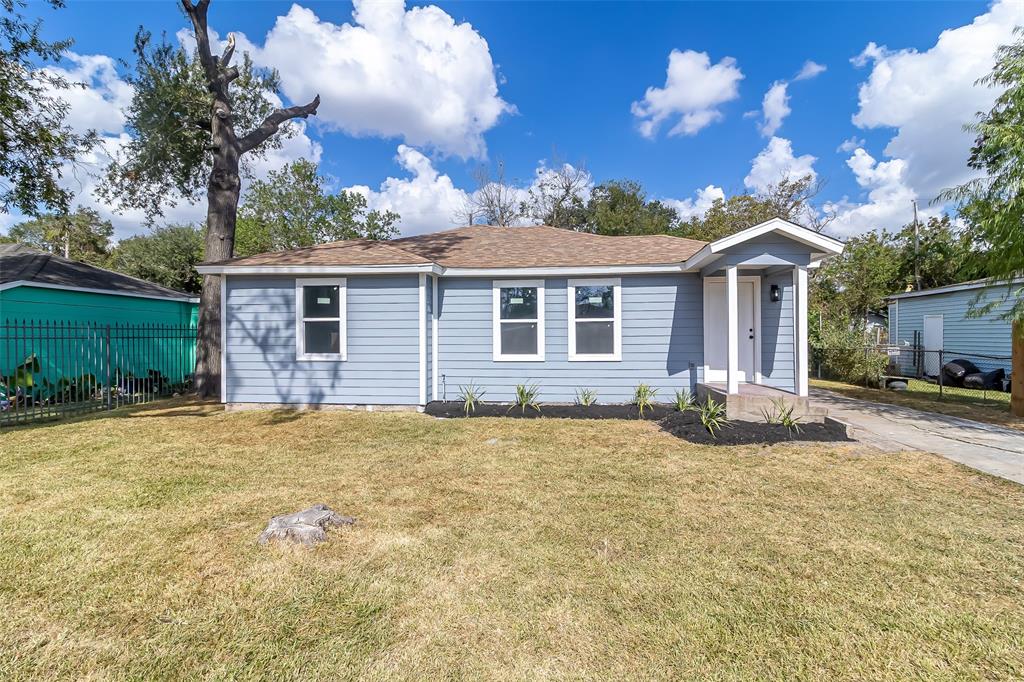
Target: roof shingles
484,246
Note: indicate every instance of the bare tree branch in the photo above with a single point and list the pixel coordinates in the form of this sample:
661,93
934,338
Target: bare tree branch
271,124
225,58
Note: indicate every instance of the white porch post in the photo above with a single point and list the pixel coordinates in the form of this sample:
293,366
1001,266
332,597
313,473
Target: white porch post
800,328
732,303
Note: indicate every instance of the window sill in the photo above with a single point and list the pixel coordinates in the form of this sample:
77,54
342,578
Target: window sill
518,358
595,358
319,357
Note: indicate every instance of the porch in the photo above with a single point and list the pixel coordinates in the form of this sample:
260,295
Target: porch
748,401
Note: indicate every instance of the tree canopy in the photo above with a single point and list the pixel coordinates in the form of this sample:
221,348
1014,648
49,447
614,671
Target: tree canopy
167,255
293,208
81,235
622,207
35,140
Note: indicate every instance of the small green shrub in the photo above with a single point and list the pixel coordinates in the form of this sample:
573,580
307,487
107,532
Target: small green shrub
685,401
841,354
526,396
713,416
586,397
643,397
470,396
782,415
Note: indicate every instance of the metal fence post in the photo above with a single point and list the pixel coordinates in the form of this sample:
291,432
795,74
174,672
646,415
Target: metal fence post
110,389
941,373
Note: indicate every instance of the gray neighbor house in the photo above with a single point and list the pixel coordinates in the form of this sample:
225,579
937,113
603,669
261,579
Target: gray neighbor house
399,323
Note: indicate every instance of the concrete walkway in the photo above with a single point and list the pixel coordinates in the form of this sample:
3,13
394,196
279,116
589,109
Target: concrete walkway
993,449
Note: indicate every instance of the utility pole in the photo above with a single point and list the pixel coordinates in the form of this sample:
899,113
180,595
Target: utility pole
917,246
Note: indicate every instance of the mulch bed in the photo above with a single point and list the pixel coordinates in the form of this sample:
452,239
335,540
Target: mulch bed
685,425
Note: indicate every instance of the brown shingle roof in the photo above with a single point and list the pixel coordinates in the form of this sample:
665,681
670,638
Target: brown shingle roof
484,246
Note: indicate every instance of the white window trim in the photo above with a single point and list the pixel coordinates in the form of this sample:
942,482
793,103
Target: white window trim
616,284
300,335
496,287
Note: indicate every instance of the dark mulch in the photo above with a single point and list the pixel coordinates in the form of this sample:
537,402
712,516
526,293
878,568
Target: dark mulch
453,409
685,425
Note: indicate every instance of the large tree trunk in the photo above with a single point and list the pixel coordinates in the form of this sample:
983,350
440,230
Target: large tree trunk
1017,371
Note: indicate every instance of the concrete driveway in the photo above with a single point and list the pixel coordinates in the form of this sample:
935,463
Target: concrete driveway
993,449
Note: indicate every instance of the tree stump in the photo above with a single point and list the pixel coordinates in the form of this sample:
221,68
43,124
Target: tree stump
307,527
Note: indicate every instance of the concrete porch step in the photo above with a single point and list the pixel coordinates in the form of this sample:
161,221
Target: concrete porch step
752,399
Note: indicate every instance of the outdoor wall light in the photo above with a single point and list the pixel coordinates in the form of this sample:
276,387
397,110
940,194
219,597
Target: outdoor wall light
775,295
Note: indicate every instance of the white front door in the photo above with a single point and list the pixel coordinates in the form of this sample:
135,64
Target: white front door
716,329
932,344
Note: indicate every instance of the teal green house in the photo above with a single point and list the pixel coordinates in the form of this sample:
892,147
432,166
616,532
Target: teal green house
35,285
62,320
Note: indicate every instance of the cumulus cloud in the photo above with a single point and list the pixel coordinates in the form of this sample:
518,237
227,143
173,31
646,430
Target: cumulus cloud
426,201
775,163
889,197
849,144
775,108
413,74
928,96
809,70
697,206
694,89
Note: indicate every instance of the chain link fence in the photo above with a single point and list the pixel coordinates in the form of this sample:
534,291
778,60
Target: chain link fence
56,369
939,374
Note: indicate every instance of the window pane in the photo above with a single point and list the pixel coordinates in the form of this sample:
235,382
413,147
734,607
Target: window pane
321,301
519,338
595,338
323,337
519,303
595,302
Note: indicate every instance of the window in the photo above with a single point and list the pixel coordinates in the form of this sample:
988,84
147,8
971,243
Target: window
595,319
320,319
519,320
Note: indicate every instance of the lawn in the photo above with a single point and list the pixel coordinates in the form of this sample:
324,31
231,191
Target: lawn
492,548
921,395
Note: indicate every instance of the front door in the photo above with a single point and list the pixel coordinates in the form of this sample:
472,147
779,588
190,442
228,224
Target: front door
716,330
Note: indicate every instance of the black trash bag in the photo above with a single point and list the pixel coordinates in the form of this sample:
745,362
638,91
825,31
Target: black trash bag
957,370
990,381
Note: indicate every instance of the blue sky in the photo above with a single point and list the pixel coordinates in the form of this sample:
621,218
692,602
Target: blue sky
567,76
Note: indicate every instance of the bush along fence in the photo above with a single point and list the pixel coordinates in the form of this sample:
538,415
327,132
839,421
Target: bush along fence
938,374
55,369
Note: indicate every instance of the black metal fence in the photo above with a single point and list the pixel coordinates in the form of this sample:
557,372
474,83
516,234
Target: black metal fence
55,369
939,374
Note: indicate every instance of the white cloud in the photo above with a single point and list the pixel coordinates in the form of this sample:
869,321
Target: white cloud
414,74
809,70
928,96
426,201
696,207
775,108
849,144
694,89
775,163
888,204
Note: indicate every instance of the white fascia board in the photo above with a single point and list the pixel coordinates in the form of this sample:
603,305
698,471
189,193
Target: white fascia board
317,269
791,230
590,270
88,290
966,286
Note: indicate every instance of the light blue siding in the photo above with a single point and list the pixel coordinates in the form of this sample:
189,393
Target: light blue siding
967,336
383,344
777,343
662,342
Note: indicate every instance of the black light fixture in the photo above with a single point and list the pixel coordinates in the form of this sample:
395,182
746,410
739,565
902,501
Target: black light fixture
775,294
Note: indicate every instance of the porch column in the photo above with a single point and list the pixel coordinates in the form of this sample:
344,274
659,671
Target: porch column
732,303
800,328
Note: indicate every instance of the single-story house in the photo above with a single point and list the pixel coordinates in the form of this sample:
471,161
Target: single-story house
407,321
939,320
36,285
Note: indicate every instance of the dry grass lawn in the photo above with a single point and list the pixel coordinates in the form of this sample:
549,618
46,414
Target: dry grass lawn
562,549
924,396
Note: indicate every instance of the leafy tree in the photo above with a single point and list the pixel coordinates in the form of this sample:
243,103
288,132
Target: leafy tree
81,235
187,122
846,288
558,196
994,203
293,208
621,207
167,255
944,255
789,199
35,141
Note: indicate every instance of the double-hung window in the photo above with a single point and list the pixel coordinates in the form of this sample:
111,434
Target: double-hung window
518,320
320,327
595,319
